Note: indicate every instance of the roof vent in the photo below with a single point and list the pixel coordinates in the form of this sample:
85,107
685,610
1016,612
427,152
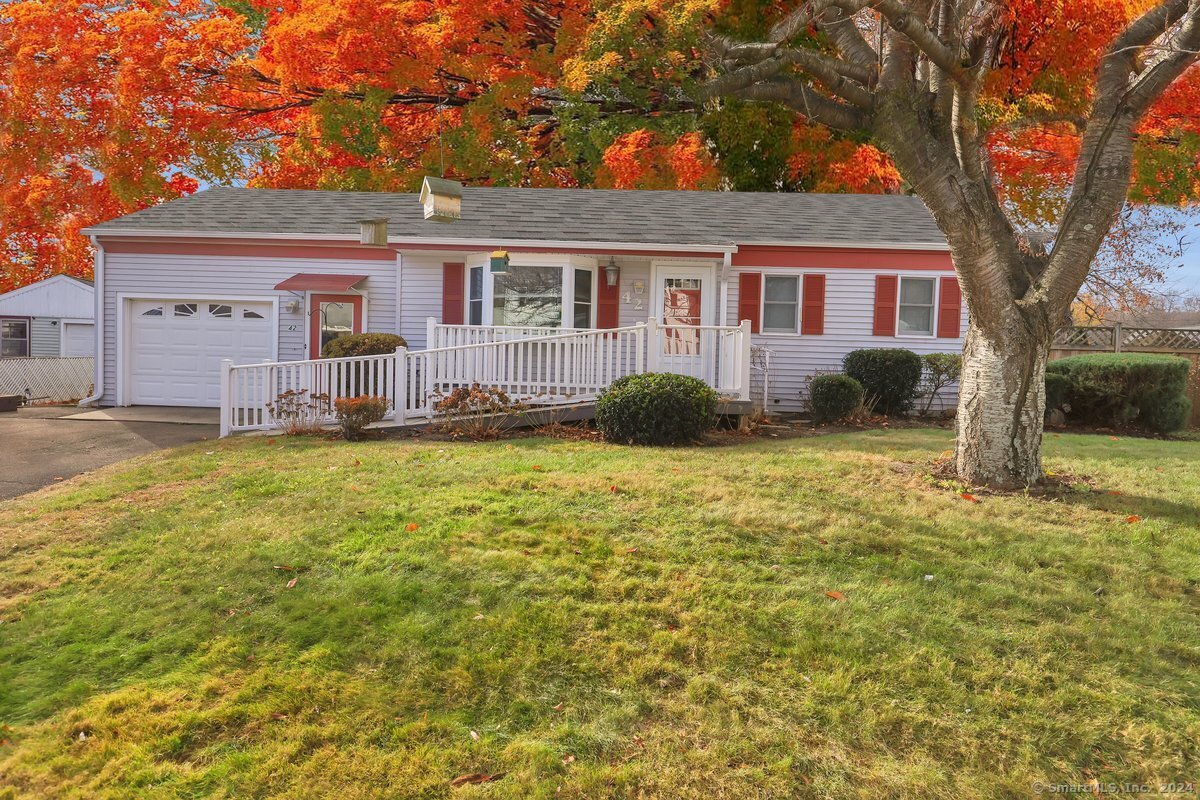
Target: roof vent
442,199
373,232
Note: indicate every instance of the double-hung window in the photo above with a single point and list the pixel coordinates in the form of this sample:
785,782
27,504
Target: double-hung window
14,337
528,296
475,296
781,304
916,307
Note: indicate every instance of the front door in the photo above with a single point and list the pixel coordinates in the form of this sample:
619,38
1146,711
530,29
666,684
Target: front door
685,307
331,316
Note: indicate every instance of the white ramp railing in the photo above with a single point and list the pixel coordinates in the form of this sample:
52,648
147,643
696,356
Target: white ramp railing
541,368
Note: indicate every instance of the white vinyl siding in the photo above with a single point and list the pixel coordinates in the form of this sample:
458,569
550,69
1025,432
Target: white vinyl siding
215,277
849,315
45,337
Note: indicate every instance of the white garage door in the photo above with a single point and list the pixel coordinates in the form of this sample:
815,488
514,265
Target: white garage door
176,347
79,339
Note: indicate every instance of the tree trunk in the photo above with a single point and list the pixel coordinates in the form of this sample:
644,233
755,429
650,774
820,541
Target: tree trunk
1002,403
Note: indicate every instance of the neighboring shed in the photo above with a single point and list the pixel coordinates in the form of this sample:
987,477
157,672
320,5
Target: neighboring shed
52,318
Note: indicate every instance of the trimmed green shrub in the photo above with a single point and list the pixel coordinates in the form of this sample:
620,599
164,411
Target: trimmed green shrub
656,408
1140,389
890,375
1168,416
1058,386
833,397
362,344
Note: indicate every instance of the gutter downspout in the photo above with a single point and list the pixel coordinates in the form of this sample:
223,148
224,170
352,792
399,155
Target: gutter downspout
723,311
98,285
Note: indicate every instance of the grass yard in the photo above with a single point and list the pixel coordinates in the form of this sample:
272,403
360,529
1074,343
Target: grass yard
497,608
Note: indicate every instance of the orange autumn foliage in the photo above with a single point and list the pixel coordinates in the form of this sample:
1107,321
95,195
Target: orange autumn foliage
108,108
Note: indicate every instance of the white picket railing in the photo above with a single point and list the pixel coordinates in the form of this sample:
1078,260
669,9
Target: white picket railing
541,368
438,335
250,391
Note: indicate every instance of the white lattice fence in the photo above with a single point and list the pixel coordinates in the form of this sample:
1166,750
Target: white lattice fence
57,379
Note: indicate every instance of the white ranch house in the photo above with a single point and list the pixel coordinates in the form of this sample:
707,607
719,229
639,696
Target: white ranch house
225,298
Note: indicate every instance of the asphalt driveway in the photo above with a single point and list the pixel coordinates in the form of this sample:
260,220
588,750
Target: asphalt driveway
41,446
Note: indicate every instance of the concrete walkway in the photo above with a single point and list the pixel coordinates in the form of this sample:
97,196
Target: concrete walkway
43,445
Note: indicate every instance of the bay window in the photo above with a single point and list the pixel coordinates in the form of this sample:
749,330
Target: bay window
532,295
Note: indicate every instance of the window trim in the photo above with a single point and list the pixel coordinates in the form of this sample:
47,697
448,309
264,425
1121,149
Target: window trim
567,266
28,334
798,277
933,308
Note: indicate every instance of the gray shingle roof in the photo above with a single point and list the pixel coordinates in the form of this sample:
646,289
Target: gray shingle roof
579,215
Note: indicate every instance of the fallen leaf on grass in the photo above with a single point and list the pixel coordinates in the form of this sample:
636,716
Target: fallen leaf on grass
475,736
537,467
277,715
412,526
1115,492
970,498
614,489
284,567
632,550
835,595
558,707
476,777
478,616
568,759
292,583
1133,518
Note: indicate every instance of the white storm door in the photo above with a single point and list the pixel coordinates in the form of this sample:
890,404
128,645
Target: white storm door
684,306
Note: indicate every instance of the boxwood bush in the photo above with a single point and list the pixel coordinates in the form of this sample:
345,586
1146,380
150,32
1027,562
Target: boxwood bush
890,375
833,397
1142,389
362,344
656,408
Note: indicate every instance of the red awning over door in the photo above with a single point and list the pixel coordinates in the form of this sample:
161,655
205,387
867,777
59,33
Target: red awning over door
316,282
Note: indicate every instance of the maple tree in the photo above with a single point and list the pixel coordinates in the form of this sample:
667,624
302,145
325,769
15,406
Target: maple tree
1026,127
98,117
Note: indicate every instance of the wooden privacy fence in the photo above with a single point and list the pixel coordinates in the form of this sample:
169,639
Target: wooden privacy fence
47,379
1182,342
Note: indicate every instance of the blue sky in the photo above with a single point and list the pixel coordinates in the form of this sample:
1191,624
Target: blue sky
1187,277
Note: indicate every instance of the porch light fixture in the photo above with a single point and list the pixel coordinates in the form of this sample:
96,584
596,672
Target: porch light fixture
499,262
612,272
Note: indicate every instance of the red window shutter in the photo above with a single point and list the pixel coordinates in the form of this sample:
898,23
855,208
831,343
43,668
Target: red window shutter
812,312
454,294
608,303
885,305
949,322
750,298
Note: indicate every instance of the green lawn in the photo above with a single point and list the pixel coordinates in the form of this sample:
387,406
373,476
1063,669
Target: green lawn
497,608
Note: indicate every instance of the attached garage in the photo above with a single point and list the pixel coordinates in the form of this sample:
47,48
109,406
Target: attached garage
174,347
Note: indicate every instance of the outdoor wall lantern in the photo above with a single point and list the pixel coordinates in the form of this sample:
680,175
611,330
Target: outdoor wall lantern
612,272
499,262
